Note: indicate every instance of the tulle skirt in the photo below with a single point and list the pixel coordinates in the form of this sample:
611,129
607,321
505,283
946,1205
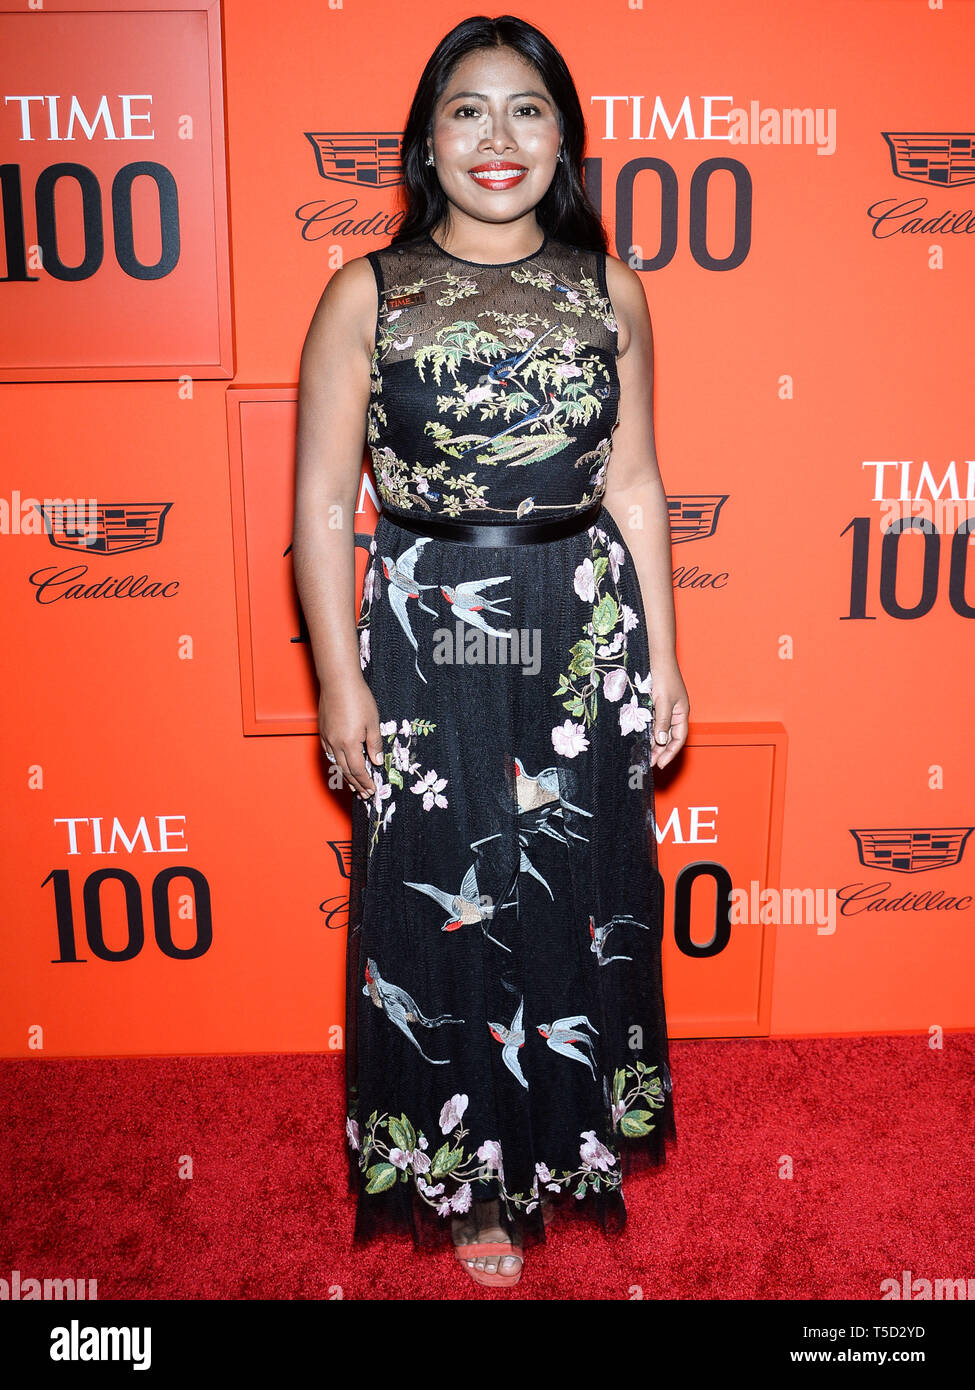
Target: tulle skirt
505,1029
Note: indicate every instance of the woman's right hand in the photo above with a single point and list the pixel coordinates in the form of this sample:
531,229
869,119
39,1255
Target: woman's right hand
348,718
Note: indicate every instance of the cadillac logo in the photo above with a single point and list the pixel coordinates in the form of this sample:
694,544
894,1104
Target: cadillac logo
367,160
693,518
911,851
113,528
944,158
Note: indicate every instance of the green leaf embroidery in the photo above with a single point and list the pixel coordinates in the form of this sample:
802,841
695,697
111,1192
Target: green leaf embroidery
381,1177
402,1135
605,615
633,1127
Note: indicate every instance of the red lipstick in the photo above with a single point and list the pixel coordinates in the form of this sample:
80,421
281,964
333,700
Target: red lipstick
498,175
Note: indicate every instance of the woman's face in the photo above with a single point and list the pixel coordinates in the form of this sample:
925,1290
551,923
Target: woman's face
495,136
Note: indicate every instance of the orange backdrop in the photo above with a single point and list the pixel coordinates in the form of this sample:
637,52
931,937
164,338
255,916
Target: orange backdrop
174,861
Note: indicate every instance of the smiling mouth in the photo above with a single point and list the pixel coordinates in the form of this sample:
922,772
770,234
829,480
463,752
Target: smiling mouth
498,176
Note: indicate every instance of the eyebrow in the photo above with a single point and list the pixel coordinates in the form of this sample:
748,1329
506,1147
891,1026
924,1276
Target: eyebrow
482,97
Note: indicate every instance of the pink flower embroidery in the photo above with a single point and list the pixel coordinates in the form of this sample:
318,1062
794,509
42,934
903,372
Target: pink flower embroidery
614,684
476,394
611,648
569,739
461,1200
585,581
593,1153
383,792
452,1113
490,1154
430,787
634,717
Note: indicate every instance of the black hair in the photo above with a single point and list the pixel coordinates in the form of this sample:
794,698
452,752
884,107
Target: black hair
565,213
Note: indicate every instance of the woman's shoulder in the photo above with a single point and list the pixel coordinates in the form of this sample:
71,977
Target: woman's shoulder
622,278
348,303
352,284
625,290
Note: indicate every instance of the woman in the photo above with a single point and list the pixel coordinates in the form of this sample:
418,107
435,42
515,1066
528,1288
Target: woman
512,682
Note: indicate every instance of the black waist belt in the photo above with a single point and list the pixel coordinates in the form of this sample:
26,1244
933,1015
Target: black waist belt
476,533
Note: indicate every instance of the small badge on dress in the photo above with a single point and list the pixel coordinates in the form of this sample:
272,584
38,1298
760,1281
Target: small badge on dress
403,301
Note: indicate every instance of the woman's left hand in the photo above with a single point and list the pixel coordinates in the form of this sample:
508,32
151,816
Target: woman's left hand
671,713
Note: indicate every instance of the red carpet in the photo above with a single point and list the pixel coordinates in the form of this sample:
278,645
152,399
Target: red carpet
879,1131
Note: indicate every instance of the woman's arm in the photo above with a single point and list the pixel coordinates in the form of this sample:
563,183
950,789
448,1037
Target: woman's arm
636,500
333,399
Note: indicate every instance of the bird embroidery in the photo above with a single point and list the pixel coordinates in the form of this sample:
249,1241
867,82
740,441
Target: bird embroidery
507,367
465,908
600,934
511,1039
539,800
467,601
403,586
525,866
535,793
540,413
563,1036
401,1009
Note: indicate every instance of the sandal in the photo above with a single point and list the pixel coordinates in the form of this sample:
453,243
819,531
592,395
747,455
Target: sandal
496,1279
492,1278
501,1245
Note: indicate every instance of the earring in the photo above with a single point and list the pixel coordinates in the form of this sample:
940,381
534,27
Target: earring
560,156
429,158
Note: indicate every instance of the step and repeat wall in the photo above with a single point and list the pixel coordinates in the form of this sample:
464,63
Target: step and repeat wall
794,184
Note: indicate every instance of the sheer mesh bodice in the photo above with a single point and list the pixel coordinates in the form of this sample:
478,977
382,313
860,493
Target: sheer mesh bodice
494,387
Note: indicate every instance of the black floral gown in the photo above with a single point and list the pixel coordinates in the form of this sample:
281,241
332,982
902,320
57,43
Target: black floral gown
506,1034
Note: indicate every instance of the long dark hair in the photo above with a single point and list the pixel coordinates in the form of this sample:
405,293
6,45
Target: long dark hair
565,212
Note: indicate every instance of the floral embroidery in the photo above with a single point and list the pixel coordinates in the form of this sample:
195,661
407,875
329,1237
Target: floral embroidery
394,1150
532,424
600,657
631,1119
578,299
513,388
494,390
399,763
